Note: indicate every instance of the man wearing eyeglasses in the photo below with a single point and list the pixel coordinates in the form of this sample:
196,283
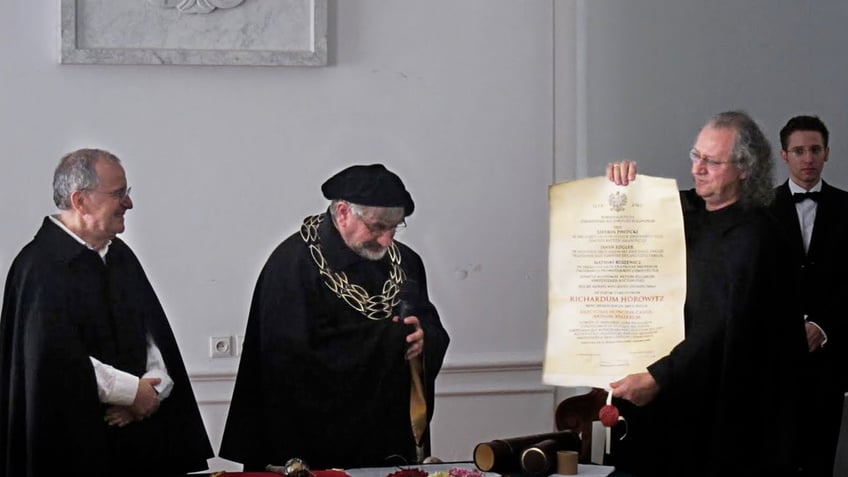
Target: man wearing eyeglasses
814,215
722,401
343,344
91,379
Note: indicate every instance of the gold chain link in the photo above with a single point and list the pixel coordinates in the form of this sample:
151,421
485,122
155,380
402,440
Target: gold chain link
378,307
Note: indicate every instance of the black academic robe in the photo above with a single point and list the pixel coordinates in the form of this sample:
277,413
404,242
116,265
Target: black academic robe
821,275
728,390
317,379
62,305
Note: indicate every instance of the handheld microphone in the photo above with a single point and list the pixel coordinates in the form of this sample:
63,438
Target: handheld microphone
405,309
406,305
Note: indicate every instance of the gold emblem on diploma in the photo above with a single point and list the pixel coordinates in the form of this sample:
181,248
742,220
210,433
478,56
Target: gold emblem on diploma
617,201
617,279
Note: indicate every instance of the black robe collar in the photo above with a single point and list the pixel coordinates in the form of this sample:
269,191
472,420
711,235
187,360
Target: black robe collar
62,247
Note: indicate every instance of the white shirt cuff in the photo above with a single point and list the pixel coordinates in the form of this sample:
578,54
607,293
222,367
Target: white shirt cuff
124,389
113,385
166,384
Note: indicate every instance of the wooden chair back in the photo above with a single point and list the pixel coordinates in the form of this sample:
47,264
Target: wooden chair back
577,413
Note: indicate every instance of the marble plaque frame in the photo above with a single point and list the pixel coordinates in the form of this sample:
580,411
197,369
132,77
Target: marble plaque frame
307,45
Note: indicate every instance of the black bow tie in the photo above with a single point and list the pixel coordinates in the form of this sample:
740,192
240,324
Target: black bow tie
800,196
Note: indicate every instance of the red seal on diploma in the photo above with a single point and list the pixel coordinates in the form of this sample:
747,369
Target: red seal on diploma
608,415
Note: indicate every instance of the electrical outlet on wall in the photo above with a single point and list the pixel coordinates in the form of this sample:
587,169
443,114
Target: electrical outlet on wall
220,347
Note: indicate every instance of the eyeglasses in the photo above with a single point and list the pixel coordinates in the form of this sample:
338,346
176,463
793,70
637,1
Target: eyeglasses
118,195
711,164
814,150
378,228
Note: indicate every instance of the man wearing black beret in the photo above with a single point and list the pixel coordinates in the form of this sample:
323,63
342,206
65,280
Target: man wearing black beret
335,370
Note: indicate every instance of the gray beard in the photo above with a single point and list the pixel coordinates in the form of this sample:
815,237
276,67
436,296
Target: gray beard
370,254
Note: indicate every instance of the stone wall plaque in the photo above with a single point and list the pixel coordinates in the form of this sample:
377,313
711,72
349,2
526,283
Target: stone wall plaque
195,32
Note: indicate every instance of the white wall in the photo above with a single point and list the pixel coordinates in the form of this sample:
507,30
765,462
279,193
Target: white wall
656,70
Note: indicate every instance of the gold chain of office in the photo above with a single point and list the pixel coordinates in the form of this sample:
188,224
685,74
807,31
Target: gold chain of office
377,307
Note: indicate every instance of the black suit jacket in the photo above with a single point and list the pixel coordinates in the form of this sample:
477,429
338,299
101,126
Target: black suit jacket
822,272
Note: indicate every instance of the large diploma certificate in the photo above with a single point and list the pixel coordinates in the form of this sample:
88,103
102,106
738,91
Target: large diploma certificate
617,279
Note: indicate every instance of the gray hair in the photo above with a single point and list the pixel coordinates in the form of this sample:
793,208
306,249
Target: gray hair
389,214
76,171
751,154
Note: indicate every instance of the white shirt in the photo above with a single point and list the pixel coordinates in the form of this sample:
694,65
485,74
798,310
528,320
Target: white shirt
113,385
806,210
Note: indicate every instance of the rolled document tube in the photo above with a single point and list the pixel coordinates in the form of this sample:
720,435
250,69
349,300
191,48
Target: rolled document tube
540,458
503,456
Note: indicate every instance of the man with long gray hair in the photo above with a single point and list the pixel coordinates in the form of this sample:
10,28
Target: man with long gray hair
91,379
723,401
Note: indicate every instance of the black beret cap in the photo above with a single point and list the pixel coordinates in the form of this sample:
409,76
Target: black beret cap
372,185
